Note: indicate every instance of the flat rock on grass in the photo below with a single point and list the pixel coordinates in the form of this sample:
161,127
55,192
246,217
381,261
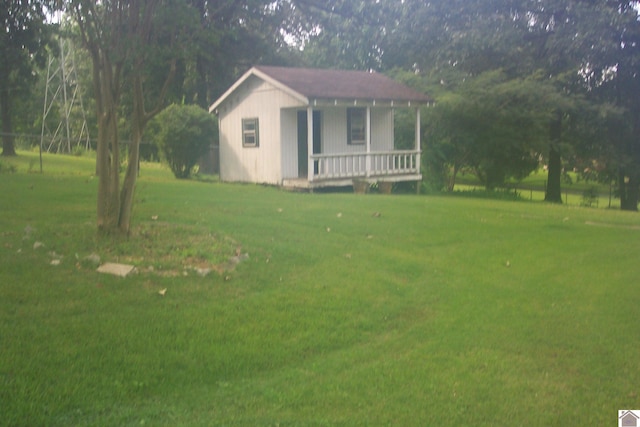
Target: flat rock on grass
121,270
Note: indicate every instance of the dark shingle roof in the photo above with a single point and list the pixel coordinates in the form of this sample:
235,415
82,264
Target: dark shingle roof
341,84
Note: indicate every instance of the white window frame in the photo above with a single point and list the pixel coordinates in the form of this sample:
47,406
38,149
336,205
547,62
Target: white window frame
356,126
250,132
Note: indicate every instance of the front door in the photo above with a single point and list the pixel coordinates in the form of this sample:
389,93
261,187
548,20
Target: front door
303,151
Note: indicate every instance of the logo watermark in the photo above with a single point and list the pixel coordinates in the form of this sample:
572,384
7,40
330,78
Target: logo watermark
629,418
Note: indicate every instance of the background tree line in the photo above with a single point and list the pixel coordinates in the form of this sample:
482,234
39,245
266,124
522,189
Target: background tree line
517,83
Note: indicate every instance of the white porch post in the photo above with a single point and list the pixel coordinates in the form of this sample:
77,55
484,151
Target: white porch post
418,139
367,126
310,162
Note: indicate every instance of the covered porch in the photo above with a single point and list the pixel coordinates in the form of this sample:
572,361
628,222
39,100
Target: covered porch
339,170
323,163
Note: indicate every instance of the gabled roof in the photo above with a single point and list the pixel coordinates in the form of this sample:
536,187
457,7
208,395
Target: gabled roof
307,84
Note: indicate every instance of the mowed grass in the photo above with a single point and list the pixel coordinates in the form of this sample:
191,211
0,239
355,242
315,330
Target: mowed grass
350,310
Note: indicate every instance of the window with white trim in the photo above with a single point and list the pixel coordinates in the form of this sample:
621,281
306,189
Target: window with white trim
356,125
250,134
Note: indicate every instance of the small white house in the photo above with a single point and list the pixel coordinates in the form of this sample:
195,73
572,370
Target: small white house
309,128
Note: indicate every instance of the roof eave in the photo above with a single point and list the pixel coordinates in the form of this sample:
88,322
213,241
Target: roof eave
254,71
369,101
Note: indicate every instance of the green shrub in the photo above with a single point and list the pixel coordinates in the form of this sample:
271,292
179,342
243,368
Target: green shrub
185,134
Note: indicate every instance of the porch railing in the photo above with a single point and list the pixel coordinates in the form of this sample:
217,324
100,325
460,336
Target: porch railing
364,165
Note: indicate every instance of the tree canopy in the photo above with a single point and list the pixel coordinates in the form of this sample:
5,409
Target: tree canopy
518,83
23,44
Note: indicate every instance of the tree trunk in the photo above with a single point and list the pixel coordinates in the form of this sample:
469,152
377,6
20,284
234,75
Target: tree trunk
108,145
629,188
452,178
622,190
633,191
108,164
139,120
8,147
206,163
553,192
138,123
122,48
128,187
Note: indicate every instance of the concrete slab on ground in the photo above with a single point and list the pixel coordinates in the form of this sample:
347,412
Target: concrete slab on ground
120,270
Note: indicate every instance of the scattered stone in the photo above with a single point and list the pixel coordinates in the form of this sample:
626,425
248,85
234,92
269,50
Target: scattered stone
38,245
508,264
235,260
376,215
203,272
120,270
55,262
162,292
93,259
28,231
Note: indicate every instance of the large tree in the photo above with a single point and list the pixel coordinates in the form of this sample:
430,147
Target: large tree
616,73
493,124
559,37
23,44
346,33
124,39
578,46
231,37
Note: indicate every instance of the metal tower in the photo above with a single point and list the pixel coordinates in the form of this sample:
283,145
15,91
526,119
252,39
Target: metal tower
63,105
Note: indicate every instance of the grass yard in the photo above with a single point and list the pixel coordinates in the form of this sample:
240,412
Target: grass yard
350,310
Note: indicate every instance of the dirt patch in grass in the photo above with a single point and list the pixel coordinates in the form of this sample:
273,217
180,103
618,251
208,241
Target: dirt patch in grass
157,248
172,250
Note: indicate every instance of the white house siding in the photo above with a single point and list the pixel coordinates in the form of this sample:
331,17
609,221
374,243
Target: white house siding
289,135
381,129
276,158
262,164
334,131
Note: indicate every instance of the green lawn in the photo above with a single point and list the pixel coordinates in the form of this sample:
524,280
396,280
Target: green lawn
350,310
